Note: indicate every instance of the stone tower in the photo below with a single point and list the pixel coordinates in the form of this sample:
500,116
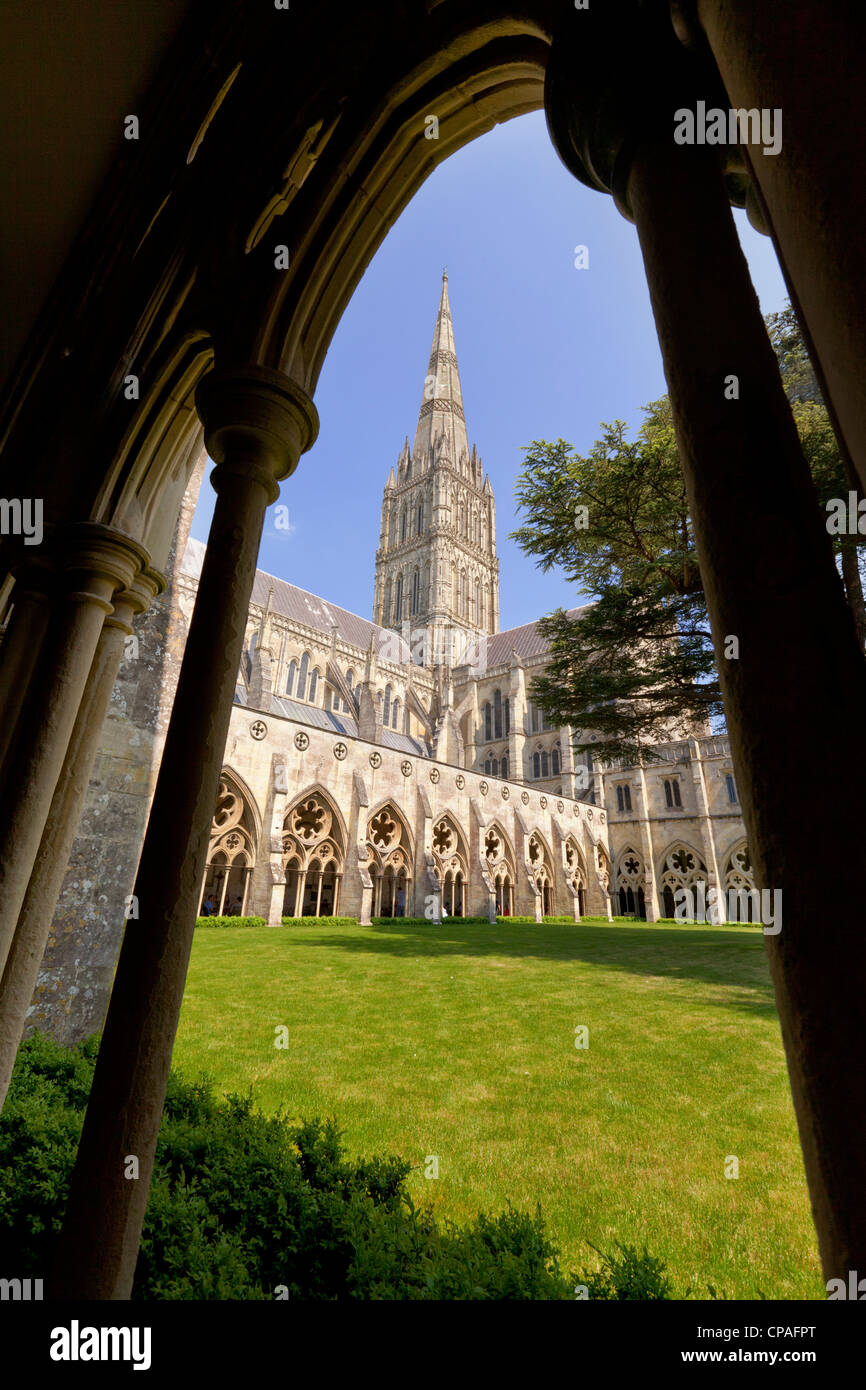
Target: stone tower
437,574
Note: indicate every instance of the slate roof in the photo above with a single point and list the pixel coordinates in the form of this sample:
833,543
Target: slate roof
303,607
526,640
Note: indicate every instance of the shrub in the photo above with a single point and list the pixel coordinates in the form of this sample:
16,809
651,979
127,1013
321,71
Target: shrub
230,922
242,1203
320,921
628,1275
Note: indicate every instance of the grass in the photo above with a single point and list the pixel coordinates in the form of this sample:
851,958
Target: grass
459,1042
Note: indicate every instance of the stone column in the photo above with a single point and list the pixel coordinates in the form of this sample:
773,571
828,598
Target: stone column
94,561
22,643
707,839
257,423
34,924
805,62
750,493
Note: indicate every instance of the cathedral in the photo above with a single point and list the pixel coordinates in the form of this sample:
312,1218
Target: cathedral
399,766
393,766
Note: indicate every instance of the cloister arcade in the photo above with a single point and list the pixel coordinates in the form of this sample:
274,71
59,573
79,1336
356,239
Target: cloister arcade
226,337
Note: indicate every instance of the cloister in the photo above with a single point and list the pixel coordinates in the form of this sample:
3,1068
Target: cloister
212,259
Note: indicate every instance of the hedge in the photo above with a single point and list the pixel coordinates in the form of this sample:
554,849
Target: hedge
231,922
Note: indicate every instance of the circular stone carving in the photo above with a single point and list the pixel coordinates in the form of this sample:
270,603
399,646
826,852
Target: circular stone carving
524,797
435,774
560,806
406,768
484,789
375,759
601,817
506,792
575,809
544,803
340,751
460,781
259,729
589,815
302,741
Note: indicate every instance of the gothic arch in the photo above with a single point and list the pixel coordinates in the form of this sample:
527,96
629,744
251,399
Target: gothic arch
680,867
231,856
740,880
497,855
630,880
314,854
540,864
451,859
390,858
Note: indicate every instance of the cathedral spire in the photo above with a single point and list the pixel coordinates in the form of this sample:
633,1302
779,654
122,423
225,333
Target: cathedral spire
441,432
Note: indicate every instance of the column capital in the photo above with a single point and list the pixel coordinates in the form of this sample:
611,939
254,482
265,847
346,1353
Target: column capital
136,599
260,414
89,551
617,74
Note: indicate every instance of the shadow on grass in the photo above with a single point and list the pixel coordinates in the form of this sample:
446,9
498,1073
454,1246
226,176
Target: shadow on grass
714,955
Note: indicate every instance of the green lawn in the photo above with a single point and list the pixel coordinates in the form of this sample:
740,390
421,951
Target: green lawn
459,1041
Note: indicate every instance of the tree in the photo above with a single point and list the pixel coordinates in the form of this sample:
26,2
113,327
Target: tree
637,666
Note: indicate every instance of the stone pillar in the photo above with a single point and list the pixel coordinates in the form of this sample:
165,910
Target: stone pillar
707,838
257,423
805,62
34,924
94,561
22,643
750,493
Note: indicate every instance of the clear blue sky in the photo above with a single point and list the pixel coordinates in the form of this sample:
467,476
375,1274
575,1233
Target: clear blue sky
545,350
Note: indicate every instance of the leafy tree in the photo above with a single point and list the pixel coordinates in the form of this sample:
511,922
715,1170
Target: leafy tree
637,666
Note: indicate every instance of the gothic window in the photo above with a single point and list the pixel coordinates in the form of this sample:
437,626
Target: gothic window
313,858
403,525
395,713
398,600
386,713
386,606
630,885
488,768
682,869
416,591
672,793
536,765
231,853
488,722
544,767
420,519
464,601
450,857
555,761
314,684
533,714
462,525
507,712
623,798
302,676
619,799
742,898
350,681
479,615
497,714
389,863
732,787
290,679
503,767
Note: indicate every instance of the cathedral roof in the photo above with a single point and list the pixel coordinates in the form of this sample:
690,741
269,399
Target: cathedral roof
526,640
303,607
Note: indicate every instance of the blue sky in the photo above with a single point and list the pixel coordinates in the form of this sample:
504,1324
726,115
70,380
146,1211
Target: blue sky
545,350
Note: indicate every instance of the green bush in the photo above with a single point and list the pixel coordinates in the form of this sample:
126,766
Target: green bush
630,1274
320,921
230,922
243,1204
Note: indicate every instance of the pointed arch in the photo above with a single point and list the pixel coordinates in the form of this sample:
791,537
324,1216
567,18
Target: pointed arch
231,857
629,880
680,868
390,860
314,854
